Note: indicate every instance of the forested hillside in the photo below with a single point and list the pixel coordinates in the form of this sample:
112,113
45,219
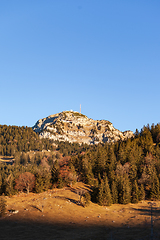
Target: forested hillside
121,172
16,139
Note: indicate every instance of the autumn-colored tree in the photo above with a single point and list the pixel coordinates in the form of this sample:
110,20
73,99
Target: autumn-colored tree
66,174
25,181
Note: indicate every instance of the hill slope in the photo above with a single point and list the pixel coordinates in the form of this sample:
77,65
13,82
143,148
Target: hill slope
75,127
64,218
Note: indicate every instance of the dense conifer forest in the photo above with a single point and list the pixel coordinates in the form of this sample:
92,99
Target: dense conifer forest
123,172
20,139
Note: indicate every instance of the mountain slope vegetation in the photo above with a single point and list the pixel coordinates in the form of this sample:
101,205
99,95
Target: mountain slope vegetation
120,172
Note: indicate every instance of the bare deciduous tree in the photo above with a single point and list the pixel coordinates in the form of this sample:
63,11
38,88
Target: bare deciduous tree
25,181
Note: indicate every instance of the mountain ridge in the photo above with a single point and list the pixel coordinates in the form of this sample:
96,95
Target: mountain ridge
76,127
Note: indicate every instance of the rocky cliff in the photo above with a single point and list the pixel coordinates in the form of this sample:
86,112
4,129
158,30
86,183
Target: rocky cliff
75,127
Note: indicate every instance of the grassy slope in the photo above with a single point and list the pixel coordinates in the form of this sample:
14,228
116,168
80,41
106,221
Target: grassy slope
63,218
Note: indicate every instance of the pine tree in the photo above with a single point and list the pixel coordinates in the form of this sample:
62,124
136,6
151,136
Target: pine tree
100,196
38,183
141,193
60,182
1,183
104,197
111,167
114,192
46,180
55,171
8,185
2,206
95,190
132,169
135,192
107,201
86,199
154,193
125,191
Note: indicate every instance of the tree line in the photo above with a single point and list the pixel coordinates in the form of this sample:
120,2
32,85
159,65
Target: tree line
123,172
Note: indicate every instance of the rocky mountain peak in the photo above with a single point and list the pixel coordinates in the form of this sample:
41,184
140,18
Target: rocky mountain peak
75,127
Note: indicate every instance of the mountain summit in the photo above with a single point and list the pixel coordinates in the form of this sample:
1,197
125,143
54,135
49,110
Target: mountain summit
75,127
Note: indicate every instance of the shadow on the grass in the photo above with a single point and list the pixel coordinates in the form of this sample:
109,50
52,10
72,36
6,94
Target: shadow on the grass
147,211
11,229
35,207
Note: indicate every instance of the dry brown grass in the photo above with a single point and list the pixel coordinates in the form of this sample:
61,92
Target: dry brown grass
63,218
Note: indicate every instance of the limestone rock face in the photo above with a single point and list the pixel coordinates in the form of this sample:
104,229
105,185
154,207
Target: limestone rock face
75,127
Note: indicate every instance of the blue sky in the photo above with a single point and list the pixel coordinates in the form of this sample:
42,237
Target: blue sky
58,54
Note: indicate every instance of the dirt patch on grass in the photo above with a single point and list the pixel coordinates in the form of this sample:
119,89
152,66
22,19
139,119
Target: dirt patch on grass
57,214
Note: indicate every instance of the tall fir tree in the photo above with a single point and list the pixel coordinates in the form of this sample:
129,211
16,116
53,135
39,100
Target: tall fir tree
107,200
100,195
142,194
114,192
135,192
38,183
125,191
154,193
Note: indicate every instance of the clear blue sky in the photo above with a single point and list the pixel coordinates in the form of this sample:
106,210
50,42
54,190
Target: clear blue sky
58,54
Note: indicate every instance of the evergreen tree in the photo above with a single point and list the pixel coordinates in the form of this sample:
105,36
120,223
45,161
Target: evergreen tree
100,195
107,201
141,193
8,185
125,191
2,206
86,199
60,182
1,182
122,154
46,180
135,192
114,192
55,172
104,195
154,193
95,190
111,165
38,183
